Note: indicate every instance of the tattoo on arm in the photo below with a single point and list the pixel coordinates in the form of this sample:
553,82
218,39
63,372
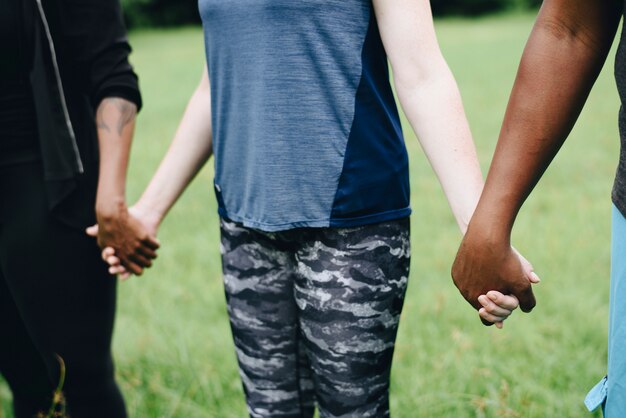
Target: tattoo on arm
115,113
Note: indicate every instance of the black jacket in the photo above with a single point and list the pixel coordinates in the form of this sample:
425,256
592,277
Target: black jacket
80,56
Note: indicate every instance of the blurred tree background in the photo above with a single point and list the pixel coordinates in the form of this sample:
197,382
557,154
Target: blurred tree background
142,13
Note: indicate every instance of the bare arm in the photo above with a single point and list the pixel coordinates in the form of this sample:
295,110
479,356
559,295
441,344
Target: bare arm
189,151
115,119
431,100
563,57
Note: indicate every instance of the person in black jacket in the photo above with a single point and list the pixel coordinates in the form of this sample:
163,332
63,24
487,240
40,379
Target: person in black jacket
68,100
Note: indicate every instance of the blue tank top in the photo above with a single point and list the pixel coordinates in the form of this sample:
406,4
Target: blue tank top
306,132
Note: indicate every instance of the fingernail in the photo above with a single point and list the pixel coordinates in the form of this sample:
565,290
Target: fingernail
492,296
535,278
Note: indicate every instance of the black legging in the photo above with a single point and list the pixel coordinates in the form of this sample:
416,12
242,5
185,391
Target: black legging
56,297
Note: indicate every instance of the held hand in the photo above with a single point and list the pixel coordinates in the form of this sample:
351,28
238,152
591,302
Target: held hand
482,266
115,265
496,307
133,240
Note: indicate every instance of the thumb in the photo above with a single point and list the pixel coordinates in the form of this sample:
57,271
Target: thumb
92,231
526,298
529,271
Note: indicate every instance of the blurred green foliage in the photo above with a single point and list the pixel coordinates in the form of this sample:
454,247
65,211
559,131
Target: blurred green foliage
142,13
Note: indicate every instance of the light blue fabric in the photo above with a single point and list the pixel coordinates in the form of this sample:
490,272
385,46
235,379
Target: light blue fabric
596,396
611,391
287,79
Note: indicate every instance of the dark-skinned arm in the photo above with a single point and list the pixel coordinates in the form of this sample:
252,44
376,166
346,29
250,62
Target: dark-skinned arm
562,59
135,247
190,150
96,40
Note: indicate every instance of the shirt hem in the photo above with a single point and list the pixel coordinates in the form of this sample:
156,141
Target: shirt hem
319,223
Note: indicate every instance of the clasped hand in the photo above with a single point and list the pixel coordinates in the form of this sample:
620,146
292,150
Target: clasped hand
493,277
127,239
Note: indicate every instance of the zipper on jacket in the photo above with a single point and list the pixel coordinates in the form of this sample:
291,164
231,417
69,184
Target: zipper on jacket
57,73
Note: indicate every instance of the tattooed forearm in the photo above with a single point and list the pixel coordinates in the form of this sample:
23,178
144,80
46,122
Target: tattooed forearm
115,113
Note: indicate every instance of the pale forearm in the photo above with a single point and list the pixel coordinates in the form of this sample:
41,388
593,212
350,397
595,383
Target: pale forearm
431,100
115,119
435,111
189,151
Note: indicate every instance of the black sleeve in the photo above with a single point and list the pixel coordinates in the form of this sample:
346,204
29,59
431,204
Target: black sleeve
97,38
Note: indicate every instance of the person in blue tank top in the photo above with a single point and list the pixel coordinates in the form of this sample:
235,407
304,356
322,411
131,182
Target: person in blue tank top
311,178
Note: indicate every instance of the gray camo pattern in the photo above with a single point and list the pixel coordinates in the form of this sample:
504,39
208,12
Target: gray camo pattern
314,314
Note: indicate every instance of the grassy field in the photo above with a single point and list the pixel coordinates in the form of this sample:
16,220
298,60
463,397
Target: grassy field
174,353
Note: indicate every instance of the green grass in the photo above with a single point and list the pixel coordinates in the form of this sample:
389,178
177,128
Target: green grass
172,344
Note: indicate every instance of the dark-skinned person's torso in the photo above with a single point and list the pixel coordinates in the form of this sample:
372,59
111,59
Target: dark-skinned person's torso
619,187
18,131
58,59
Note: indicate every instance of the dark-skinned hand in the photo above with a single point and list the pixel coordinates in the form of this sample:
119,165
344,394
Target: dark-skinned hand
483,266
135,245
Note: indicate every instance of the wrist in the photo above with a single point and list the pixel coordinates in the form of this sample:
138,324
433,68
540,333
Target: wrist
110,207
489,230
149,212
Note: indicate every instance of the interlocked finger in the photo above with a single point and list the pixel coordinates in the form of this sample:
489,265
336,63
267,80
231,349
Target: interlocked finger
107,252
489,317
492,308
140,260
147,252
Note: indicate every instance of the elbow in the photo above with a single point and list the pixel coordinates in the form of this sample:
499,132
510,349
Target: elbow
422,78
560,29
407,80
572,32
420,70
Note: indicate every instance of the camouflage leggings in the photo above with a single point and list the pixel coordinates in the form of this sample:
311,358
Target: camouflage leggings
314,315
